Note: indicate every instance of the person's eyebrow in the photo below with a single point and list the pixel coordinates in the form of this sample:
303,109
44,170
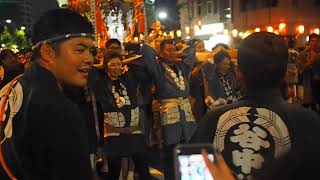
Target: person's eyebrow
82,45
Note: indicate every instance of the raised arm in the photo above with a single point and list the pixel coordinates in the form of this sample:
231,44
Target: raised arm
189,58
149,59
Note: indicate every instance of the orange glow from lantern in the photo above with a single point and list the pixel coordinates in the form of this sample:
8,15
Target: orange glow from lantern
300,29
316,31
187,29
257,30
179,33
171,34
282,27
270,29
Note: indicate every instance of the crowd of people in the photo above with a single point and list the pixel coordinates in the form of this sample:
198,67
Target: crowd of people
78,112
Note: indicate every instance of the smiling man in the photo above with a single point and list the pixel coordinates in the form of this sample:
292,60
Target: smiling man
42,132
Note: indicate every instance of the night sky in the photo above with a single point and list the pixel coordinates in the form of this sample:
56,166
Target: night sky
170,6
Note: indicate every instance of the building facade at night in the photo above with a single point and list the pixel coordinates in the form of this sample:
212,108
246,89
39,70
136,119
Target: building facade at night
18,11
297,18
205,20
23,13
41,6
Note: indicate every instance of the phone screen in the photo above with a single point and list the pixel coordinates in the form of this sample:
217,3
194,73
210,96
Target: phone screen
191,165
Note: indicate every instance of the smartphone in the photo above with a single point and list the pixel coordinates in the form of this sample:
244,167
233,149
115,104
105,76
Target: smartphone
189,163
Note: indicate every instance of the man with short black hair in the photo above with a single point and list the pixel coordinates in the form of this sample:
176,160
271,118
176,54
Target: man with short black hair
43,135
113,45
260,127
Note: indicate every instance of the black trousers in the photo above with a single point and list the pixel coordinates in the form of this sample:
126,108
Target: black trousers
141,167
168,168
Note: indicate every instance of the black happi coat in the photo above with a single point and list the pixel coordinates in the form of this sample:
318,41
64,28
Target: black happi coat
48,139
102,86
204,81
167,89
256,130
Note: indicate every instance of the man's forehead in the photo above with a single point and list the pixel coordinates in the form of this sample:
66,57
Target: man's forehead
169,45
114,44
84,41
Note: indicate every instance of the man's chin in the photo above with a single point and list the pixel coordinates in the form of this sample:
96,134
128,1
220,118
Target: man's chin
80,83
170,61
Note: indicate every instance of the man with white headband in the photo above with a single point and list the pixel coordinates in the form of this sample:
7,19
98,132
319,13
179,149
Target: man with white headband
42,132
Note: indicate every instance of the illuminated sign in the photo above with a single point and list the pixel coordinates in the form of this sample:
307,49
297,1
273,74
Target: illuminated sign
209,29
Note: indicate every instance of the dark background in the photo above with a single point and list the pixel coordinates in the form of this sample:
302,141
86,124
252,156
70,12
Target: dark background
171,7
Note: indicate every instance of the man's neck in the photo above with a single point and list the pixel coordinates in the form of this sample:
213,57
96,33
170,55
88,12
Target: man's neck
220,73
168,62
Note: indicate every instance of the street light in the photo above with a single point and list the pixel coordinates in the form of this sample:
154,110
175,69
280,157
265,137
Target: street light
162,15
8,21
23,28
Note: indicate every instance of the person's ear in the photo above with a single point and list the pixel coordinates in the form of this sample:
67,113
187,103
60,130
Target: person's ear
48,54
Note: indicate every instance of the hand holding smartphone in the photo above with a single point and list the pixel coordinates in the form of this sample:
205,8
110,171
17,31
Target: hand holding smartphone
190,164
